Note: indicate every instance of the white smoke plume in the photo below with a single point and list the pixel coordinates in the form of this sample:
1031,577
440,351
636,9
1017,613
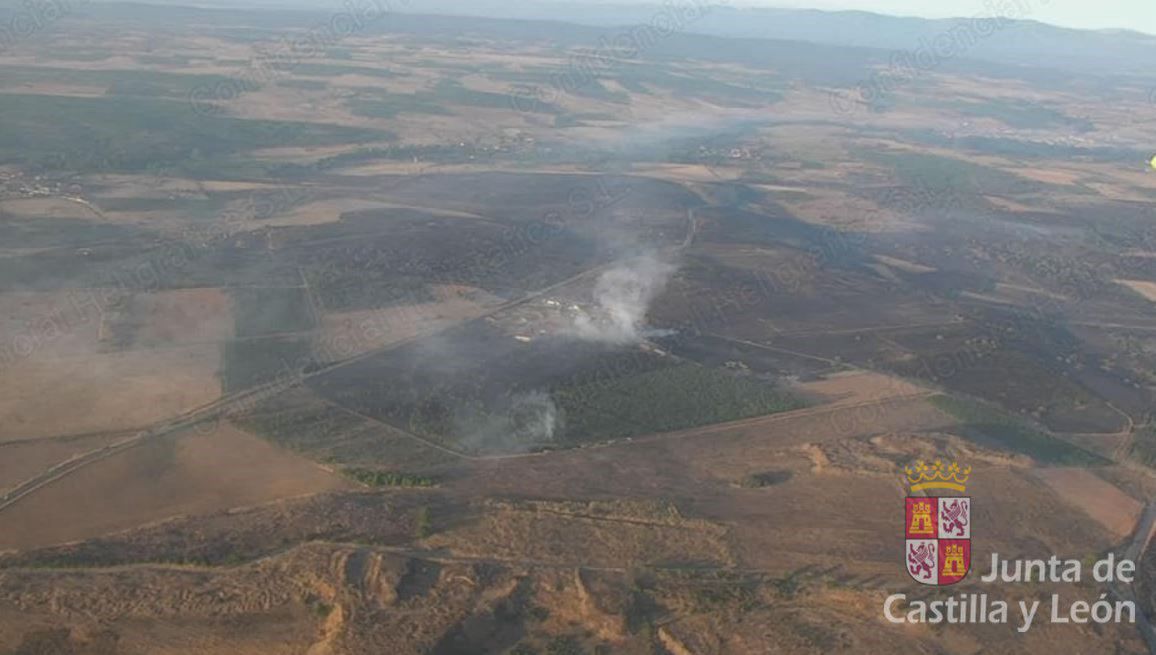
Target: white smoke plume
534,417
623,296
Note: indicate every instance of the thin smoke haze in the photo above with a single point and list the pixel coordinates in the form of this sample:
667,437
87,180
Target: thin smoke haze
528,419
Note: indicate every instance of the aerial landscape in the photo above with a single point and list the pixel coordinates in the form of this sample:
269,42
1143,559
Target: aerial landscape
391,327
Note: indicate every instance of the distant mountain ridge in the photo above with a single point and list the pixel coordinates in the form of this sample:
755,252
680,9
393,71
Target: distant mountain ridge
1018,41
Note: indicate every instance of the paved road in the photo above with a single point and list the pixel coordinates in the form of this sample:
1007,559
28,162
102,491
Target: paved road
1141,539
198,416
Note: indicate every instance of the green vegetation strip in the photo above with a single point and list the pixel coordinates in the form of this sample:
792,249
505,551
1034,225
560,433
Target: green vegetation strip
372,478
1014,434
1020,114
950,176
674,398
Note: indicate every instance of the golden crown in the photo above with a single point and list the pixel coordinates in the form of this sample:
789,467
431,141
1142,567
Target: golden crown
937,476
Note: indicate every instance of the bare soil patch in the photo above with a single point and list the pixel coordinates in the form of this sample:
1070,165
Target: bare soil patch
1119,192
688,172
1101,500
1013,206
861,386
845,211
351,333
47,208
904,265
106,392
189,473
1051,176
53,323
331,210
180,317
317,213
1146,289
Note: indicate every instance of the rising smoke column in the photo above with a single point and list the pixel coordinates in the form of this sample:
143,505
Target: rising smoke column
623,296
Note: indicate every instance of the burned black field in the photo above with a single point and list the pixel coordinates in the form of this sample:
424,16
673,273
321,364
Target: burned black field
997,319
757,298
477,389
967,298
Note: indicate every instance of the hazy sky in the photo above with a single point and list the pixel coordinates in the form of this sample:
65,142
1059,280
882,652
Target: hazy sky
1085,14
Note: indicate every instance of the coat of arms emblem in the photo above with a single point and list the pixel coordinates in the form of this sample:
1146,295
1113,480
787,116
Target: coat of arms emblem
937,550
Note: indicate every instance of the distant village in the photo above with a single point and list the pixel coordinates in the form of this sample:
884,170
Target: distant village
16,184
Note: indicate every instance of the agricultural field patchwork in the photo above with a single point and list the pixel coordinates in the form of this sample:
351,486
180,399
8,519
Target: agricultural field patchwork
463,335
